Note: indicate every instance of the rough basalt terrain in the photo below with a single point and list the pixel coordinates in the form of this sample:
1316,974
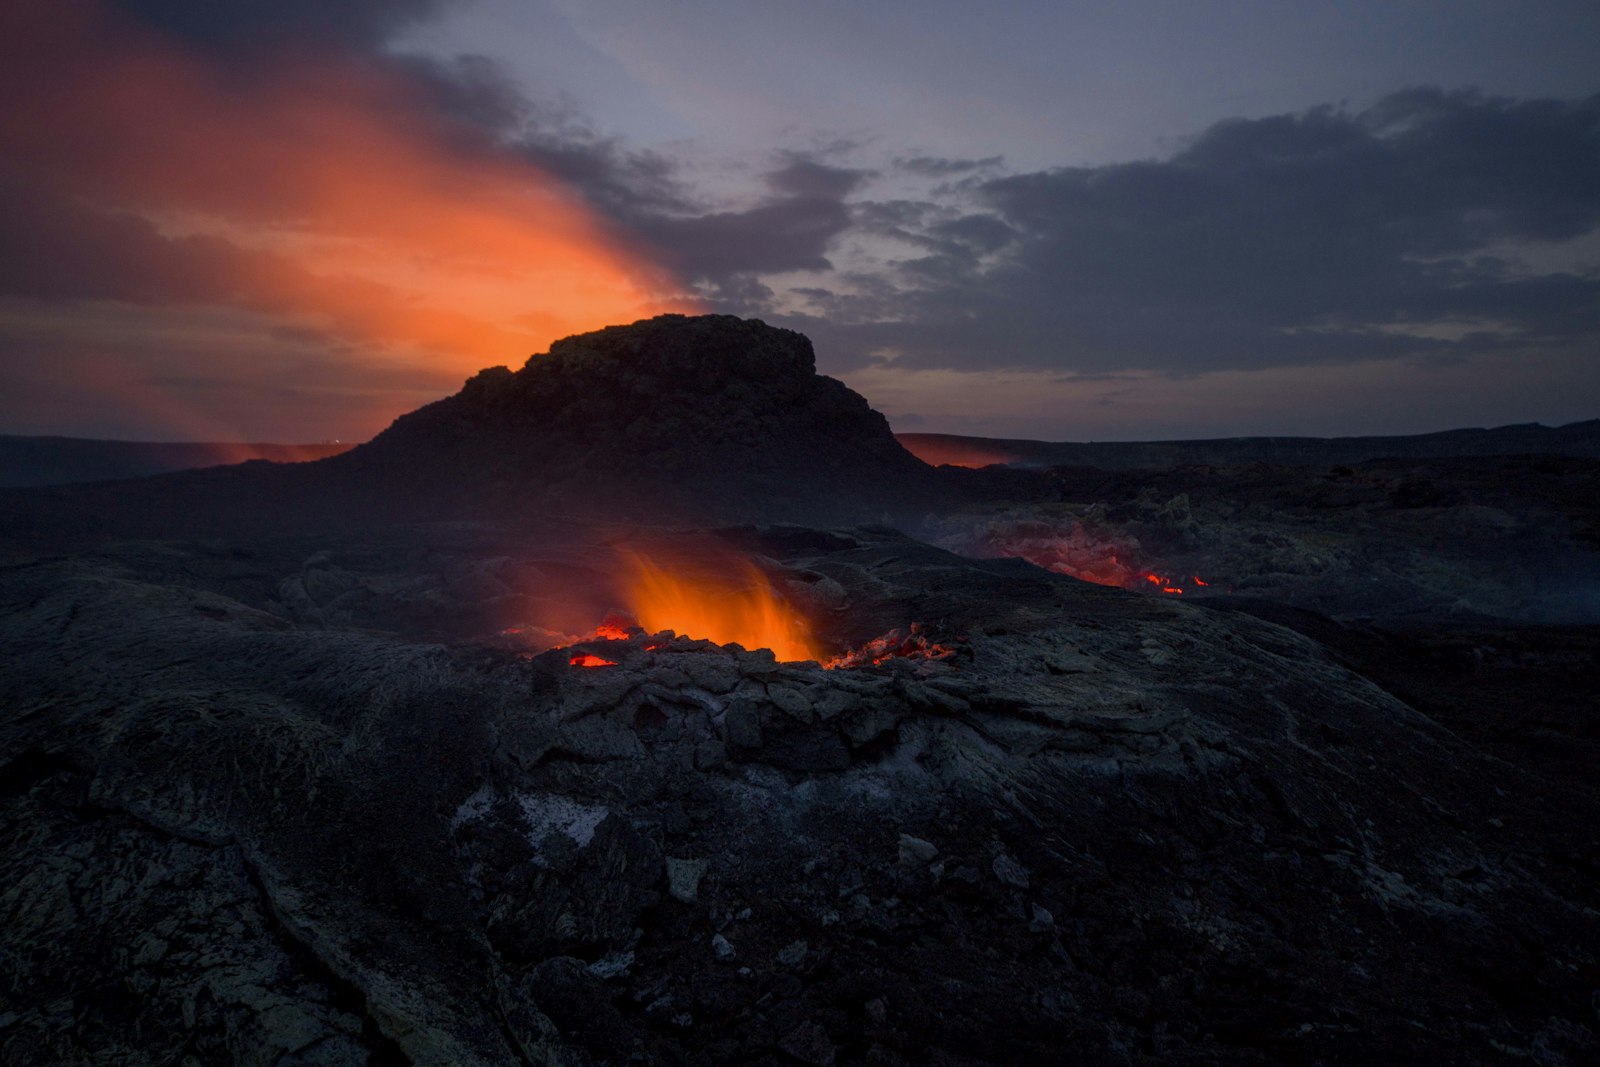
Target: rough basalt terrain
1398,542
297,802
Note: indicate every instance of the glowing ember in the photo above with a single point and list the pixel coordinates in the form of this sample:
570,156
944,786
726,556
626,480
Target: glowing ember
1080,553
1163,584
739,606
896,644
584,659
616,627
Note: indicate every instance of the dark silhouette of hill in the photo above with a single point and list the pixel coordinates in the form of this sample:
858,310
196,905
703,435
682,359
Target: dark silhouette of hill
672,419
1574,439
31,461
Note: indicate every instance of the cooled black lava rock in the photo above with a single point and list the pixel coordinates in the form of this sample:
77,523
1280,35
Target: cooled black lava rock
1115,829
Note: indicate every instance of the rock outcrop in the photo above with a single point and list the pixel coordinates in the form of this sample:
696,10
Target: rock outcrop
681,419
692,417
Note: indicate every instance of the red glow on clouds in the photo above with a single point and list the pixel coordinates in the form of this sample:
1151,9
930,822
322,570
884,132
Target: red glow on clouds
321,191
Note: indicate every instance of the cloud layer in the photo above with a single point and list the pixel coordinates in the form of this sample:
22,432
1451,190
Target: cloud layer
348,210
1423,225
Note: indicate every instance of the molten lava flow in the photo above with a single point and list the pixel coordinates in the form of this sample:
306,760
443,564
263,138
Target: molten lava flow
1163,584
1080,553
584,659
737,607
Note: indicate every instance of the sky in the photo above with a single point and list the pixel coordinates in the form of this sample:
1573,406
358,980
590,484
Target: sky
294,220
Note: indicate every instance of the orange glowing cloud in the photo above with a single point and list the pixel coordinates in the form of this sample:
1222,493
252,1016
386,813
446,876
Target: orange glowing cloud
323,190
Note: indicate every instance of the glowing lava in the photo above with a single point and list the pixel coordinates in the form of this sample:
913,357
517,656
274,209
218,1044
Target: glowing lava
739,606
1164,584
615,627
733,603
896,644
1080,552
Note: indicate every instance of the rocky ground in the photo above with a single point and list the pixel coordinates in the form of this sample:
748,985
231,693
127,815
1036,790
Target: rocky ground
263,805
299,764
1396,542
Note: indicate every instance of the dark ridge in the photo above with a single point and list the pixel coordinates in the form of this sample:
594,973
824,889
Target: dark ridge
1574,439
34,461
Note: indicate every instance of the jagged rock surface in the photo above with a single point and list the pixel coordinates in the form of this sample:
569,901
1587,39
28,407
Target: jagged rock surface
1110,829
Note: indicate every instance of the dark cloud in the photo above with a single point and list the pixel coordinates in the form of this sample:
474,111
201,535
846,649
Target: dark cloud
784,235
1322,236
640,192
53,248
739,294
936,167
629,185
250,24
807,178
791,231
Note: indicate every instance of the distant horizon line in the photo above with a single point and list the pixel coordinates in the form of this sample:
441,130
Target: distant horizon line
348,444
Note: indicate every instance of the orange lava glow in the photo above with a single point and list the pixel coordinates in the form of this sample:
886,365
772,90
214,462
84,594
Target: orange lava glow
896,644
1081,553
737,606
615,627
1164,584
584,659
325,193
937,450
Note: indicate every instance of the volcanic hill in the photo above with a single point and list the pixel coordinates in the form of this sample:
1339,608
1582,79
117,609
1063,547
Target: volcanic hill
679,419
710,415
